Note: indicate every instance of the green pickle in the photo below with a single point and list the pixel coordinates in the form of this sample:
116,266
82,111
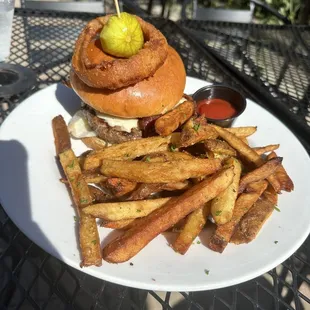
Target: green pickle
122,36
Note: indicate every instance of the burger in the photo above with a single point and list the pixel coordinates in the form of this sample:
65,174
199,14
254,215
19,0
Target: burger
123,96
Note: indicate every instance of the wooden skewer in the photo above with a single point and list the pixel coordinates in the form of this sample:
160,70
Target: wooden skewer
117,8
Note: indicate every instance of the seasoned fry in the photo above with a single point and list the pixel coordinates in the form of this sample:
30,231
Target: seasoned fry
222,206
244,140
177,228
82,157
260,173
166,156
196,130
128,183
239,146
220,147
253,221
135,239
93,177
129,150
145,190
242,131
168,172
283,179
98,195
88,233
127,224
94,143
264,149
115,211
172,120
121,224
61,135
271,195
223,233
192,228
119,187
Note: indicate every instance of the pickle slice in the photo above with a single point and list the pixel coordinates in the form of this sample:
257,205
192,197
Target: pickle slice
122,36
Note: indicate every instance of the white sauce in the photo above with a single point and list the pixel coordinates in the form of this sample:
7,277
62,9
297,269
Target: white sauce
78,126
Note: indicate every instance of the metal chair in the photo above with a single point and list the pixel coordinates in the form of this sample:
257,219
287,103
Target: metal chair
228,15
132,6
87,7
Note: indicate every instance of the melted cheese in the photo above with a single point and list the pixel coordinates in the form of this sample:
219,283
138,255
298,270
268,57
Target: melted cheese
124,123
78,126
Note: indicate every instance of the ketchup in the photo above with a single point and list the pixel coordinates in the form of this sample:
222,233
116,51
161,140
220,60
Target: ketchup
216,108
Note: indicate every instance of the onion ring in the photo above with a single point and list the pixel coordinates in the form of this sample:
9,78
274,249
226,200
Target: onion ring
116,73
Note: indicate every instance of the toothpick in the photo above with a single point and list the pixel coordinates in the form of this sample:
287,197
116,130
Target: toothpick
117,8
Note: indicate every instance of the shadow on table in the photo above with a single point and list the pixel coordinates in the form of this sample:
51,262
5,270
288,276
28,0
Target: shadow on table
240,298
68,98
14,191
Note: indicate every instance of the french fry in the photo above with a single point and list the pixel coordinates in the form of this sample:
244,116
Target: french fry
253,221
244,140
127,224
121,224
264,149
260,173
93,177
242,131
167,172
88,233
119,187
172,120
271,195
192,228
222,206
239,146
245,201
98,195
129,150
285,182
196,130
135,239
143,191
219,147
115,211
82,157
177,228
61,136
166,156
94,143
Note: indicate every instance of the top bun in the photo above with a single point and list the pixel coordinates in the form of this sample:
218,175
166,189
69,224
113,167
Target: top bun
151,96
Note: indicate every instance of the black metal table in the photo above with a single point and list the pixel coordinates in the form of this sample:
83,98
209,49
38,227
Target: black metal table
238,55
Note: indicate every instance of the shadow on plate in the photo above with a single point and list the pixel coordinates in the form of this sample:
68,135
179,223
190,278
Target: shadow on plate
14,190
68,98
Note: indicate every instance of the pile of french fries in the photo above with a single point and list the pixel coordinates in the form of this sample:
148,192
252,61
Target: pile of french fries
191,174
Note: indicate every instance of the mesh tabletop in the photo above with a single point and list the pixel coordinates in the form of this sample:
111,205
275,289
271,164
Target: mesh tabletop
273,60
32,279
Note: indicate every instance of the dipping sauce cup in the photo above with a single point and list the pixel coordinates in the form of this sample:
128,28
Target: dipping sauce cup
220,104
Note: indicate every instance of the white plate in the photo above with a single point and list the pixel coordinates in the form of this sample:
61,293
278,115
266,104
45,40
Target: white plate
40,206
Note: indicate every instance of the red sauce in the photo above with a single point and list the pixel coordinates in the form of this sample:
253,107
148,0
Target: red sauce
216,108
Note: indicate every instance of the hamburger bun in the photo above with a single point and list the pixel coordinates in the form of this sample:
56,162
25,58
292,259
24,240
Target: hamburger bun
154,95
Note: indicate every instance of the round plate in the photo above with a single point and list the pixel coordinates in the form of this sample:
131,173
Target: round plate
40,205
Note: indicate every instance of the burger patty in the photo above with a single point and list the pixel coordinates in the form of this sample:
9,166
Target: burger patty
108,133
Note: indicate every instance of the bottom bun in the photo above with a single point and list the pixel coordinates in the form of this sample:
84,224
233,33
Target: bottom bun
154,95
